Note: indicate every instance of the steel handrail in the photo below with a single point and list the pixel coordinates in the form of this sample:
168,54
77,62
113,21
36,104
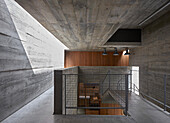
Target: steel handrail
118,83
145,95
104,80
106,76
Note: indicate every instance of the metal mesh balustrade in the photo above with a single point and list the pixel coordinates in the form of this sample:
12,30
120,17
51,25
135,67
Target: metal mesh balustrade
157,89
95,94
108,93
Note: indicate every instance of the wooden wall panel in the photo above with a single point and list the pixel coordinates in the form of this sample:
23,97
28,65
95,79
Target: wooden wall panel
89,58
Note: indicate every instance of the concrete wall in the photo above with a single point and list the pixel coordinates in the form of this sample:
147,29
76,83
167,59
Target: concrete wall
28,55
90,70
88,76
153,58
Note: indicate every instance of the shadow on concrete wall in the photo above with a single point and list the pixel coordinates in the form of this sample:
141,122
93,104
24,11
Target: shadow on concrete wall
18,82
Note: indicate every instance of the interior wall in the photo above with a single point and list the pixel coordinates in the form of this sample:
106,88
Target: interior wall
89,75
89,58
153,58
28,55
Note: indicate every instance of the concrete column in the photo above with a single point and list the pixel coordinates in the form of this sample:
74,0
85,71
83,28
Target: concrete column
58,92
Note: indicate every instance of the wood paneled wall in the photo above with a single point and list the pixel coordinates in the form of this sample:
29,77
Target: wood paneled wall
89,58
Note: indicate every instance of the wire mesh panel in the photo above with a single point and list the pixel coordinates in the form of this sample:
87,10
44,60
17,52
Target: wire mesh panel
99,94
71,90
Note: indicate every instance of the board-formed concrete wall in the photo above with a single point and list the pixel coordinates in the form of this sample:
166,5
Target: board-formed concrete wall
90,75
153,58
28,55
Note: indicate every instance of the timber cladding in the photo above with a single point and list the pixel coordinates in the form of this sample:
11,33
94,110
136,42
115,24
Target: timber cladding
94,58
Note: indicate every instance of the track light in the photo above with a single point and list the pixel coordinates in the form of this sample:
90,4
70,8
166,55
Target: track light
104,53
127,52
115,52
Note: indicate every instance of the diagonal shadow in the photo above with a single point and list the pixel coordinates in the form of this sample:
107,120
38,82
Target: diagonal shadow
18,82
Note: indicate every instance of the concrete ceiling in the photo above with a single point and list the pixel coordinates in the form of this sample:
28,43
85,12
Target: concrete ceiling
88,24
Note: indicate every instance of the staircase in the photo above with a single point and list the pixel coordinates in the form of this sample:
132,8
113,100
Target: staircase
112,92
115,97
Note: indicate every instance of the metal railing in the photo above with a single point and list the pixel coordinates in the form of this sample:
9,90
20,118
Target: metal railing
102,82
159,95
82,91
153,99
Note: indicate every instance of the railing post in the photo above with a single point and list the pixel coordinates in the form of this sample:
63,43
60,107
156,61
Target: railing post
102,88
65,92
165,92
58,92
109,79
131,81
126,94
134,88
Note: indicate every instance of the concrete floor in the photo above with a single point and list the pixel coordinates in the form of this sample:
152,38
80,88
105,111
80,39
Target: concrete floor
144,112
40,110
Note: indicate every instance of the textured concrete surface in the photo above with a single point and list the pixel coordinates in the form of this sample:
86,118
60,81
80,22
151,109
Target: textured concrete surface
103,80
28,54
153,58
90,70
143,112
40,111
87,24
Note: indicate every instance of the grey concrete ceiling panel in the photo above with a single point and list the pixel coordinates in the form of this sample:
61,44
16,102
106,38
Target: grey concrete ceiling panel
88,24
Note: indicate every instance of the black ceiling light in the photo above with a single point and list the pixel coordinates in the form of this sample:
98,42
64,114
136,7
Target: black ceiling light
127,52
115,52
104,53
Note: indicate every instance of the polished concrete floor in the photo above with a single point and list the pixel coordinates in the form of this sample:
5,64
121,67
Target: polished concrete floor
40,110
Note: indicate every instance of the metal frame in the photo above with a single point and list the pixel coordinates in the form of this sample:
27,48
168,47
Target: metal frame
108,74
164,104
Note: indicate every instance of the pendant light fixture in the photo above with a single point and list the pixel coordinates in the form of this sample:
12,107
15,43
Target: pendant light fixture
115,52
127,52
104,53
